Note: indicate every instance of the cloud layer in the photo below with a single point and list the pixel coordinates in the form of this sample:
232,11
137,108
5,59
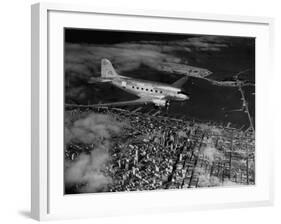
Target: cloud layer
87,170
85,59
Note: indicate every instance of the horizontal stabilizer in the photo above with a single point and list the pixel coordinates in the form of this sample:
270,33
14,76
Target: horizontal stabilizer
97,79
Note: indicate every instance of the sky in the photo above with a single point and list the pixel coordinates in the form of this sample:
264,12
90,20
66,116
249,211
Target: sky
145,55
112,37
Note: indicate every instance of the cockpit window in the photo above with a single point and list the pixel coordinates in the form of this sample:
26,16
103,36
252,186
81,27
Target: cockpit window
182,92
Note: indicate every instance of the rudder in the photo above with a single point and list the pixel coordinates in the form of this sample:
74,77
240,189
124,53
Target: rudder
107,70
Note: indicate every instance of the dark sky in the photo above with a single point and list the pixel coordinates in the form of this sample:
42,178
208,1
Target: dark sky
91,36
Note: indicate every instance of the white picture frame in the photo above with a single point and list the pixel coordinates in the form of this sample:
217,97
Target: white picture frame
47,201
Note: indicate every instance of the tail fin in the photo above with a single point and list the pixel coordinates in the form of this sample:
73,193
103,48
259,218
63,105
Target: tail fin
107,70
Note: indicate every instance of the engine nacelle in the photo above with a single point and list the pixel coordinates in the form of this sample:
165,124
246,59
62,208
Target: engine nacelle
160,103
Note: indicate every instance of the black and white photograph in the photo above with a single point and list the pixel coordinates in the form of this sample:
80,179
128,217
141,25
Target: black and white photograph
157,111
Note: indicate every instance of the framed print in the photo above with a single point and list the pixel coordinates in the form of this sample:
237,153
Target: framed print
137,111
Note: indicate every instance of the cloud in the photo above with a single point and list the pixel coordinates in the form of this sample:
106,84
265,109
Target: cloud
212,154
206,180
207,43
95,128
85,58
202,43
87,170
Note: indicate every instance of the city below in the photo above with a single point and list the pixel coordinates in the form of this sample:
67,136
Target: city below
135,151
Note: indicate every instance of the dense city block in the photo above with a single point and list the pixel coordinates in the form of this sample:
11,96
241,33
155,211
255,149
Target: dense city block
146,152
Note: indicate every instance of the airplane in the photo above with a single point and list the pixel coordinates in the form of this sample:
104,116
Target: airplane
159,94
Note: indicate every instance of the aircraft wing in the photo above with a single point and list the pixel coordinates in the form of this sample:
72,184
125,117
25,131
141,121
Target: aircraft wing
121,103
179,83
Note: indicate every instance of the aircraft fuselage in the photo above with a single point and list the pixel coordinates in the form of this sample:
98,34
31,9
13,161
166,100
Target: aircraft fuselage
148,89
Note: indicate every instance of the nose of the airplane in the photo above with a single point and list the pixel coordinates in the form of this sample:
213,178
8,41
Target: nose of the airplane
184,96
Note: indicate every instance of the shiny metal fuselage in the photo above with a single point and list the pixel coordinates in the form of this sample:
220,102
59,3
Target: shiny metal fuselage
148,89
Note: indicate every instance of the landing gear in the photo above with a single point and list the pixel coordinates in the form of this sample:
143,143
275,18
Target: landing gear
167,105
